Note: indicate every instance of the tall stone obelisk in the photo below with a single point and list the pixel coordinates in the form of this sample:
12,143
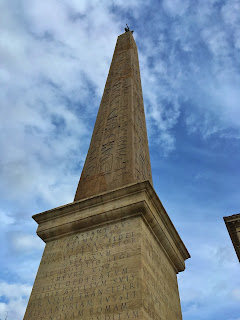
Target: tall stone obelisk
118,154
112,254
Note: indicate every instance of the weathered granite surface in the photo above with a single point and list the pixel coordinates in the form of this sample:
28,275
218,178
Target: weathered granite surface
118,154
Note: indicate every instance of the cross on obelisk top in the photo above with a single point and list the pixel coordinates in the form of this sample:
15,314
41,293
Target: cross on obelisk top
127,29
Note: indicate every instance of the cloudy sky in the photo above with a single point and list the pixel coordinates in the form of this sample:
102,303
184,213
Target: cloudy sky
54,60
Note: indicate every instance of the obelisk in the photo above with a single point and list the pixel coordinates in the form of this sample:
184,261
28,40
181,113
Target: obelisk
112,254
118,154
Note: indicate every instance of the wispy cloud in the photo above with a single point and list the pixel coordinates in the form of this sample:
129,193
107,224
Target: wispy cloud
5,219
25,242
55,58
15,296
176,7
192,56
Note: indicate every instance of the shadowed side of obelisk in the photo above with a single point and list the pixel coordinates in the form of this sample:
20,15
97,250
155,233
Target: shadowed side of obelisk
118,154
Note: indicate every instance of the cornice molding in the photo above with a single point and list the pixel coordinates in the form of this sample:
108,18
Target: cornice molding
137,199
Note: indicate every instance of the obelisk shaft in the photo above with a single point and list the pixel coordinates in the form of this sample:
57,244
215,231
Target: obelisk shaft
118,154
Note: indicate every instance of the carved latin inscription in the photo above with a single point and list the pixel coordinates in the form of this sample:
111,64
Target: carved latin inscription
90,275
160,293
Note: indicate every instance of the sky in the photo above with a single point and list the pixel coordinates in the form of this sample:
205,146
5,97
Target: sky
54,61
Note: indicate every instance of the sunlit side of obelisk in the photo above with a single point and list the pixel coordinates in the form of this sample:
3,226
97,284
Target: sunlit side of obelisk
112,254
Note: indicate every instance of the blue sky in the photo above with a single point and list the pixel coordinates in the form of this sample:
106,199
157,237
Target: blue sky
54,60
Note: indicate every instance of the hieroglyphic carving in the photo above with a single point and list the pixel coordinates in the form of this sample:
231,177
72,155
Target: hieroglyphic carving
118,154
90,275
142,159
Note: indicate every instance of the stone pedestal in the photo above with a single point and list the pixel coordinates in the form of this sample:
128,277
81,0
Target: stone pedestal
113,256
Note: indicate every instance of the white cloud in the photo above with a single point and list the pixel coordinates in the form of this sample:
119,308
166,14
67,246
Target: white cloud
217,41
207,280
176,7
14,291
208,79
26,242
236,294
17,296
5,219
49,62
230,12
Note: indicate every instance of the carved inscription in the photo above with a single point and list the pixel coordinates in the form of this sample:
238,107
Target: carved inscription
118,154
160,297
90,275
142,159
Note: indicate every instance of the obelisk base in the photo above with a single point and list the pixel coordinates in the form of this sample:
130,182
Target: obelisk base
110,257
